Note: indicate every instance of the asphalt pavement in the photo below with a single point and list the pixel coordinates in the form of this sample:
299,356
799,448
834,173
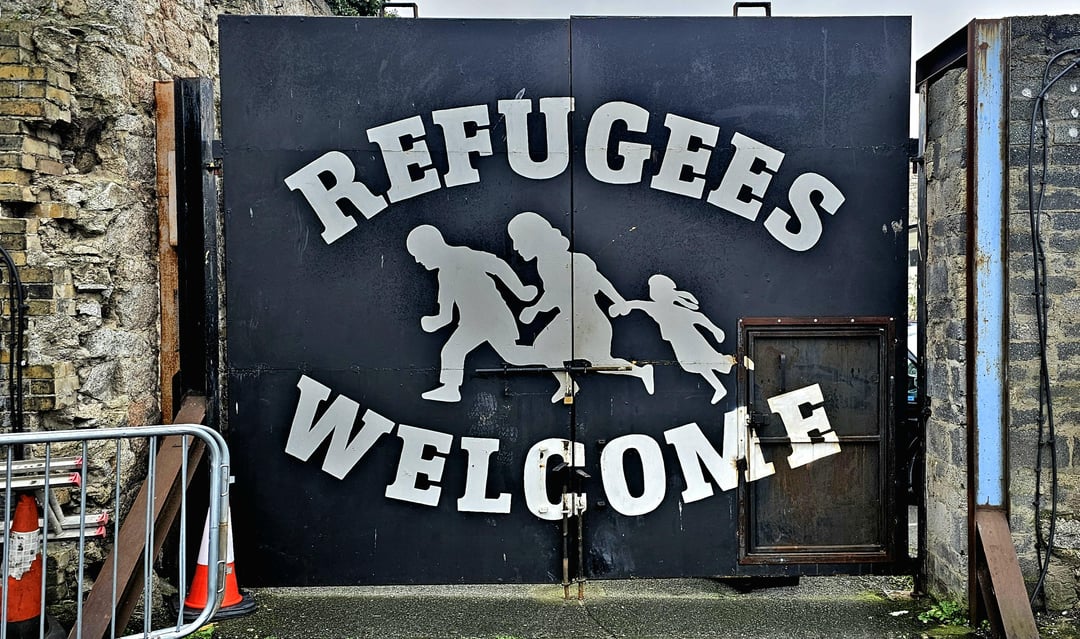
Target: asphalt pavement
877,607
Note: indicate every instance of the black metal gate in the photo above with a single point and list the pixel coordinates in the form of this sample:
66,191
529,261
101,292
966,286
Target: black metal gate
485,282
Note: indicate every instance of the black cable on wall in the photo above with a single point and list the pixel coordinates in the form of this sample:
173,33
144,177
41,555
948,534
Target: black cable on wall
1046,438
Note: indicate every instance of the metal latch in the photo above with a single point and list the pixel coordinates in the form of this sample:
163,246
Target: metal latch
572,366
217,153
756,418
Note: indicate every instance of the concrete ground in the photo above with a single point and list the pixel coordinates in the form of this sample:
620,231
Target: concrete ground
877,607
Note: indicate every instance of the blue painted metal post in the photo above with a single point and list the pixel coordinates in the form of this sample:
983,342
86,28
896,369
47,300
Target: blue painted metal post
988,261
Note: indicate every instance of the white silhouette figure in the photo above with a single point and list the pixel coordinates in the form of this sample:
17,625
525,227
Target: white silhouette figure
535,238
466,280
676,313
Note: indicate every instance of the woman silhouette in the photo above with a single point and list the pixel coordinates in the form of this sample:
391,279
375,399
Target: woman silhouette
580,329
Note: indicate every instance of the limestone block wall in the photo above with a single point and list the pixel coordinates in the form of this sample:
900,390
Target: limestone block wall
77,202
1032,41
946,430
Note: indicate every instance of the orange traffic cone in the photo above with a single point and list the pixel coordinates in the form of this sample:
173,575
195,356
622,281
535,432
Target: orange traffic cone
235,603
23,588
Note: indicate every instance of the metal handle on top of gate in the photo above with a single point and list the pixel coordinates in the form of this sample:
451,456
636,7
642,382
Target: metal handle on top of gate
767,6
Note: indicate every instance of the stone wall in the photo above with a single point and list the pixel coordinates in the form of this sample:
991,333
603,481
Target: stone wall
1031,43
946,429
77,203
77,213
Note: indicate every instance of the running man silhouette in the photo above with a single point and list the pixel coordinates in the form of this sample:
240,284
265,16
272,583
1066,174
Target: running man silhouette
676,313
535,238
466,279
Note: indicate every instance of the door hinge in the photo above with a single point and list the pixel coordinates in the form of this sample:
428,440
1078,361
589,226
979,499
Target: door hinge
217,154
913,155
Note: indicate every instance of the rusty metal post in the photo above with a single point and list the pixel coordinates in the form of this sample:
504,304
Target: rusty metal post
994,577
986,275
985,278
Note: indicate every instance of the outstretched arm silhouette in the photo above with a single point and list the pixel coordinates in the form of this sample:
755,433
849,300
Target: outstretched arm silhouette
501,270
619,305
432,323
546,303
708,325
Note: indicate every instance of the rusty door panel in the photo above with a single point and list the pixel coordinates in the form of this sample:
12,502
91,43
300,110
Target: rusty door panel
839,508
796,509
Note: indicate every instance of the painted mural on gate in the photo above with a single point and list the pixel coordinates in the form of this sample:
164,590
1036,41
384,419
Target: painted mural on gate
487,275
476,288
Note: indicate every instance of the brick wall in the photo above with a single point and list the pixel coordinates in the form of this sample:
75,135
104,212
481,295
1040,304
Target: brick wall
35,101
77,205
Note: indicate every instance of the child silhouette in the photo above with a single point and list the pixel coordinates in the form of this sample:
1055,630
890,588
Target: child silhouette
676,313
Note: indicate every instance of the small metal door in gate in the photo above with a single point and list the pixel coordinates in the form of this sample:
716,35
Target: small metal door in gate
485,281
837,509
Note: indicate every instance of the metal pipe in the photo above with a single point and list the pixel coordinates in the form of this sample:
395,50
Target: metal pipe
45,539
565,542
551,369
920,348
82,536
148,547
181,595
116,537
215,442
7,543
580,549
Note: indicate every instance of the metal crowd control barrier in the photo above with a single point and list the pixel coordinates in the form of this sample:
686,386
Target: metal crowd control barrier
48,471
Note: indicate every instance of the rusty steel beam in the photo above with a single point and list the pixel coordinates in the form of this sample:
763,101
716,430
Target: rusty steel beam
986,261
995,582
